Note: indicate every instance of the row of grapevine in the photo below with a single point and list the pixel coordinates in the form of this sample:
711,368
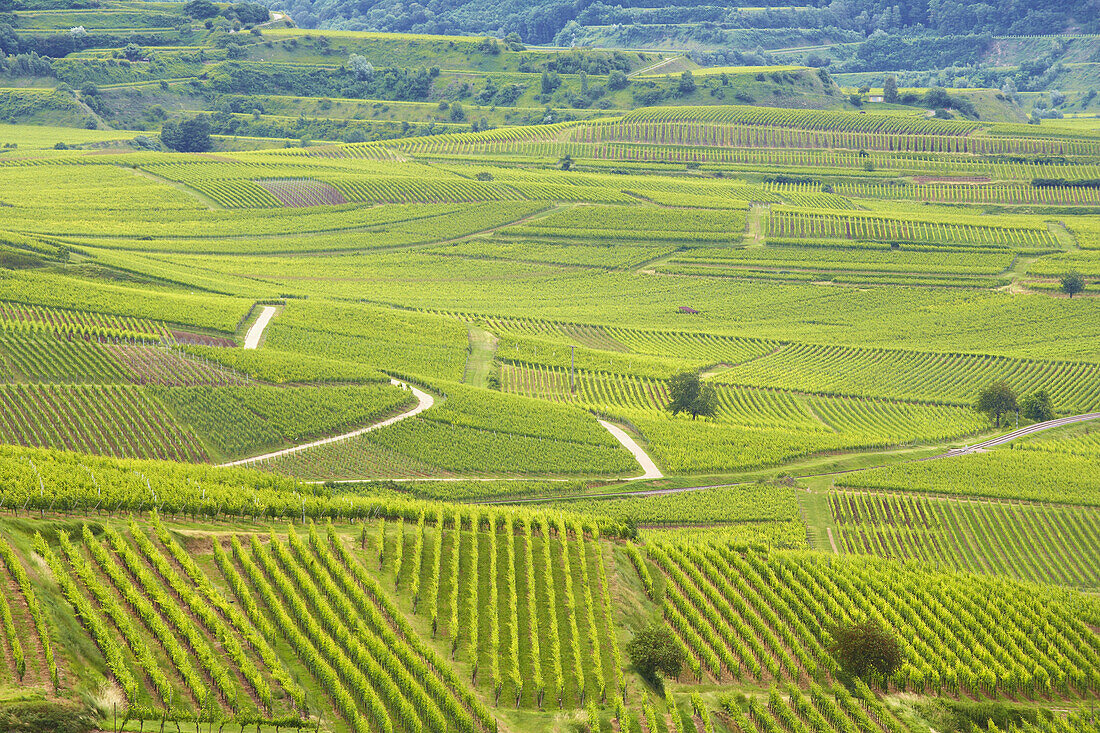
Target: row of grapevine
824,710
444,686
117,664
172,367
896,373
18,316
999,193
796,224
38,480
413,190
852,257
760,136
804,161
42,357
300,192
34,608
958,633
107,420
48,359
511,575
1034,542
871,421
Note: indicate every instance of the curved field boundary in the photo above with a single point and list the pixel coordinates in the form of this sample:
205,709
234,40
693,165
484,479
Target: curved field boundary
424,401
256,332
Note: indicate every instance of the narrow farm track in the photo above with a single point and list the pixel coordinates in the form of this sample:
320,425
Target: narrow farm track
424,401
647,464
1029,430
256,332
977,447
653,67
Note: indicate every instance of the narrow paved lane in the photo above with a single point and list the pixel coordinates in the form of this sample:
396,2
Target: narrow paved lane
1029,430
252,340
647,464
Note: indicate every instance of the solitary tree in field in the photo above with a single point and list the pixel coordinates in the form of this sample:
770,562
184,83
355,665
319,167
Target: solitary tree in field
187,136
995,400
654,650
1037,407
1072,283
890,90
687,83
863,646
687,393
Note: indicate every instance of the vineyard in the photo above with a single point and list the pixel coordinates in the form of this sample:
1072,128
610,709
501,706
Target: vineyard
1054,477
738,621
234,422
793,225
112,420
449,355
506,436
980,537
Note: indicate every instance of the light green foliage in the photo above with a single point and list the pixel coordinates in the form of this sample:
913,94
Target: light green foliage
113,420
1016,540
719,598
1037,475
286,367
409,343
236,421
472,433
216,312
953,378
844,282
750,513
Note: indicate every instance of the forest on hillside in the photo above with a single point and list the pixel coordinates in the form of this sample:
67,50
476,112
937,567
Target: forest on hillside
543,20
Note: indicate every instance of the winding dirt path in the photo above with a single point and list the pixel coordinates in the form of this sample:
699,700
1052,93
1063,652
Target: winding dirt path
976,448
424,401
256,332
643,459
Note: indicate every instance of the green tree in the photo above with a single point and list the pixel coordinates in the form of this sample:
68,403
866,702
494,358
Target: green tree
1072,283
687,83
1037,407
863,646
995,400
549,82
937,97
9,42
188,136
654,650
890,90
687,393
200,9
566,163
